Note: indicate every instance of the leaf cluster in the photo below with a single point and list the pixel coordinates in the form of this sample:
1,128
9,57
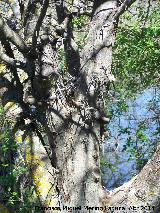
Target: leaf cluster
136,56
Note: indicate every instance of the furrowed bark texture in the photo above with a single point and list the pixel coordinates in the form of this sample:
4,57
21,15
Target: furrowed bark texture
69,108
77,144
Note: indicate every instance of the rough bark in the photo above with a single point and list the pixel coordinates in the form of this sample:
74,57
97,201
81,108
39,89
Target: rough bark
143,191
77,145
70,109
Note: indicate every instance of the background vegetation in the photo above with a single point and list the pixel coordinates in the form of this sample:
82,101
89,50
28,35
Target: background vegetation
134,104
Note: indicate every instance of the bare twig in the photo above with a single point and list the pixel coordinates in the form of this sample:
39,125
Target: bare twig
124,6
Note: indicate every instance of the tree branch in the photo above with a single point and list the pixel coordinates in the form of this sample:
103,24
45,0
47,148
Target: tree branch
9,34
143,189
11,61
124,6
39,22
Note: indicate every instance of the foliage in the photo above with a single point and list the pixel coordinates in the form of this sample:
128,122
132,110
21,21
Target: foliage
79,22
136,56
136,67
80,27
12,172
107,164
62,60
136,62
81,40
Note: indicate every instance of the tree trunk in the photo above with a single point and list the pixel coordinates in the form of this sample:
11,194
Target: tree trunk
70,109
77,141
